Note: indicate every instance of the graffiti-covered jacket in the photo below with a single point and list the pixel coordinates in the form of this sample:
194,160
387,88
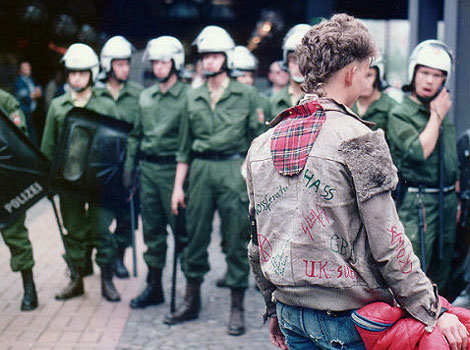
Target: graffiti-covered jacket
328,235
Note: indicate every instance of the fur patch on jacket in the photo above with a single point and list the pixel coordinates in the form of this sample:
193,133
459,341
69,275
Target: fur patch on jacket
370,163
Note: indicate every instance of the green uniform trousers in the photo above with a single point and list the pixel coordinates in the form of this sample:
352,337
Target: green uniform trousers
123,232
157,182
16,238
217,185
437,270
84,222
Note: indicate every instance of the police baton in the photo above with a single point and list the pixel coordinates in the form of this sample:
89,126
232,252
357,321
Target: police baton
67,258
133,228
422,228
441,193
178,234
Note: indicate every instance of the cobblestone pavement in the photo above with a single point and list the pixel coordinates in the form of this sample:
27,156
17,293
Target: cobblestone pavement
90,322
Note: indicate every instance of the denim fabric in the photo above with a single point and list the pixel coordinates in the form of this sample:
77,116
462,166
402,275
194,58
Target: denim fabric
314,329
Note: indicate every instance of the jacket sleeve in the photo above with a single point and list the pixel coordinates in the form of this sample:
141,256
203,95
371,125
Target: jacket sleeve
50,135
265,286
373,175
404,139
185,139
133,142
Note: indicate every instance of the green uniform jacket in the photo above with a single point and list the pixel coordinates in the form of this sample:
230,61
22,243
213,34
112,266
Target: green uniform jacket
59,108
280,101
11,107
156,127
406,121
127,102
378,111
229,128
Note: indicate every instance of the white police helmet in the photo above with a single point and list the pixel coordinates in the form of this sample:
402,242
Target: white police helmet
292,39
81,57
165,48
215,39
433,54
116,48
244,60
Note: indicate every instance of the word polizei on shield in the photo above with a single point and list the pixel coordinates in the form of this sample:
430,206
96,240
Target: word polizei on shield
23,172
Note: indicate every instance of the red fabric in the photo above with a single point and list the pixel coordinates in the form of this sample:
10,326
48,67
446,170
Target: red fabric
294,137
406,333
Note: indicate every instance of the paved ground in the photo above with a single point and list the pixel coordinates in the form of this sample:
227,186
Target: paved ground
89,322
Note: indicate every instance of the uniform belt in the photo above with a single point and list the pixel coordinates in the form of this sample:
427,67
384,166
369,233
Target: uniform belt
157,159
216,156
432,189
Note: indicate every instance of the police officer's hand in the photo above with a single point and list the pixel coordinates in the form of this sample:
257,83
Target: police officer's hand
454,331
127,179
441,104
177,200
275,334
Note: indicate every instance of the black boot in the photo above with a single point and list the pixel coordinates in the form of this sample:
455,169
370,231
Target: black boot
88,270
221,283
190,308
108,291
236,324
153,292
74,288
30,298
119,268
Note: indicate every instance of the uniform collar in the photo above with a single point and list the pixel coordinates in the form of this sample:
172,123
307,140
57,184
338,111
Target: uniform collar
233,87
68,97
414,106
174,91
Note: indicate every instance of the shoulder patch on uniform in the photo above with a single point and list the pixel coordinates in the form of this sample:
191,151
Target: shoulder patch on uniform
370,163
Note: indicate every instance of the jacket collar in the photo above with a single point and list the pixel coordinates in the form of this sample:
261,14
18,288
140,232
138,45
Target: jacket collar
328,104
233,87
174,91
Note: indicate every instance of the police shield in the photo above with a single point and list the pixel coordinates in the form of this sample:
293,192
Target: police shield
89,158
23,172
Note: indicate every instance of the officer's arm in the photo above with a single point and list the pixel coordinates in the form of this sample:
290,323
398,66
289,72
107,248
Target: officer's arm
255,125
388,243
50,133
404,139
185,138
183,159
265,286
133,142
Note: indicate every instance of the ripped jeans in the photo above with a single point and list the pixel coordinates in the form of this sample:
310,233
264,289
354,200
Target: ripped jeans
308,329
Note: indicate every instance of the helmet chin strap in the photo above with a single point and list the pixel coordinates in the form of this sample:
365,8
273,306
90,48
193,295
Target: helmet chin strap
77,89
165,79
222,69
428,100
120,81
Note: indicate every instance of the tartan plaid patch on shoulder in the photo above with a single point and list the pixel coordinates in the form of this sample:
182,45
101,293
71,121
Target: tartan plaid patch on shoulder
294,137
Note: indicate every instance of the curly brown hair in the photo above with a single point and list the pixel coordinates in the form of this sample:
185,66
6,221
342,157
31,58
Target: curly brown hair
330,46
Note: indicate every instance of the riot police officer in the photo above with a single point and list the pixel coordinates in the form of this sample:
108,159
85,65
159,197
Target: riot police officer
291,94
115,59
155,138
424,156
82,65
373,104
245,65
217,130
16,234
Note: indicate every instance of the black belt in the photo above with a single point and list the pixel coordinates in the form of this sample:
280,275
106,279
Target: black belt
433,190
157,159
216,156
